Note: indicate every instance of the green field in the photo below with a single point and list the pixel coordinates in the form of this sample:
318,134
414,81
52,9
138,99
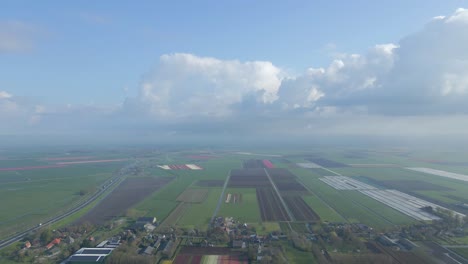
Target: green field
352,210
455,188
199,215
30,197
246,211
325,212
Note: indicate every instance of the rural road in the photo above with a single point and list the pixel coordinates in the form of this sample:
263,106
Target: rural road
103,188
221,198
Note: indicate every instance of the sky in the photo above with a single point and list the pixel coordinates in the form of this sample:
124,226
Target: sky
234,69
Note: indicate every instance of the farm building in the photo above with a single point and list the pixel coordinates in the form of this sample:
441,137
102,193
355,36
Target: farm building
53,243
89,255
111,243
149,250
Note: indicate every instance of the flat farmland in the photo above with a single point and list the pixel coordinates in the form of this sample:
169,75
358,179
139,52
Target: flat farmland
247,210
325,212
199,215
32,196
193,195
300,210
253,164
387,212
285,181
210,183
248,178
175,215
320,172
327,163
128,193
271,208
447,191
352,210
162,202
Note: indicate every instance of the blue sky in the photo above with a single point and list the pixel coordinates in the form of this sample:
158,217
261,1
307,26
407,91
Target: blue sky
88,55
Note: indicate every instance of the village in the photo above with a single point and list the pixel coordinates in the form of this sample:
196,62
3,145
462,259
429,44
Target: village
144,241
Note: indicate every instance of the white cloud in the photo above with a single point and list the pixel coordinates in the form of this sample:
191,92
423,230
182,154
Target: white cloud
5,95
416,86
186,84
460,16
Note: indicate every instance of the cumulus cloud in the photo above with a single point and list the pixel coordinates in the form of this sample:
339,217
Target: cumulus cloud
16,36
4,95
416,86
186,84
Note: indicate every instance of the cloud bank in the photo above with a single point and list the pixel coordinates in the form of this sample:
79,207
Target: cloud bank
416,86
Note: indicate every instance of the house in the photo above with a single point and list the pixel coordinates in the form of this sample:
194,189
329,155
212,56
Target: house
145,220
27,244
53,243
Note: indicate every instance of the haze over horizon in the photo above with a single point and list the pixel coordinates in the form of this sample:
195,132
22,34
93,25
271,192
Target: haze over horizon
257,70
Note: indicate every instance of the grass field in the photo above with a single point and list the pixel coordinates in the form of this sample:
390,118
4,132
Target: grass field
30,197
351,210
325,212
297,256
246,211
199,215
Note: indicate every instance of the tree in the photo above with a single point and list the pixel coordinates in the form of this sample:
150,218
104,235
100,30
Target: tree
46,235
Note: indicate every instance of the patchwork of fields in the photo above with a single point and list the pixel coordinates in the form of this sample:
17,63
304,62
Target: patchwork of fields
374,189
33,190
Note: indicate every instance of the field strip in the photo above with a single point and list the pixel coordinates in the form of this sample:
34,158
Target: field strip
221,197
331,171
42,180
404,203
359,205
257,154
346,183
441,173
291,217
372,165
320,198
90,161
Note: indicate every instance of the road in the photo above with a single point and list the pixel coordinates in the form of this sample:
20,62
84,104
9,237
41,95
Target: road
221,198
103,188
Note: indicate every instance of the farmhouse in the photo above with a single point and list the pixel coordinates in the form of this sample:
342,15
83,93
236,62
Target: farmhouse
53,243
